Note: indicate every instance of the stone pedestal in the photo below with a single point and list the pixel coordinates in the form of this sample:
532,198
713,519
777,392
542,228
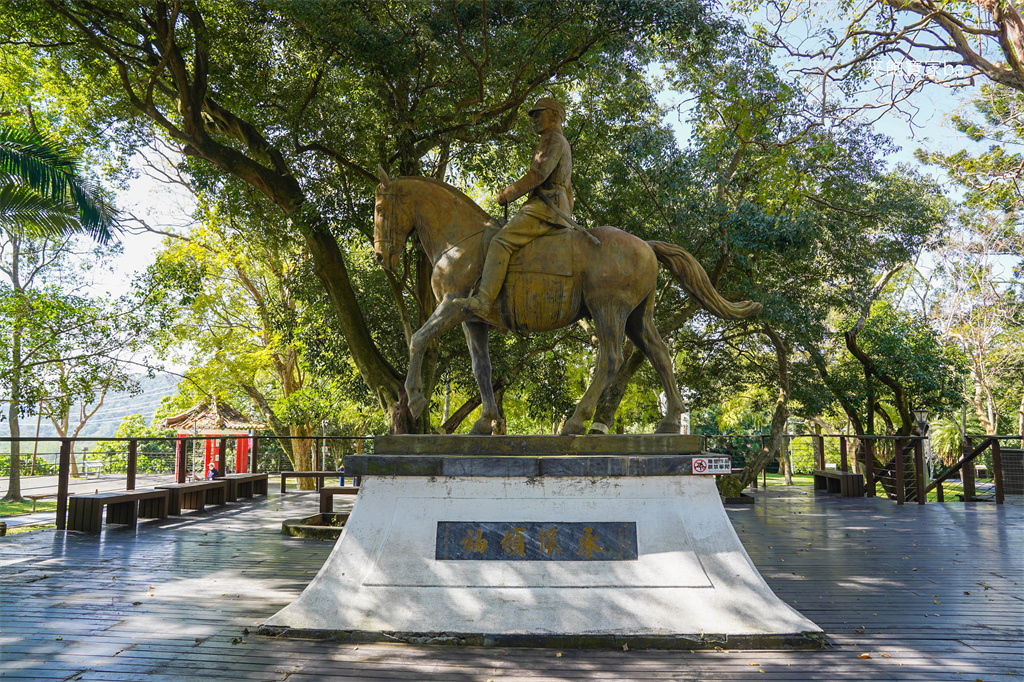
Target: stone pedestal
537,546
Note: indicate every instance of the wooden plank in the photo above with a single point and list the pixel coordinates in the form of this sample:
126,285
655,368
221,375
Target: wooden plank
180,450
63,474
222,457
869,467
900,474
133,463
847,563
997,470
919,485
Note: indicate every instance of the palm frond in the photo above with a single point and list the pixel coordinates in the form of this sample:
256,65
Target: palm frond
42,165
36,214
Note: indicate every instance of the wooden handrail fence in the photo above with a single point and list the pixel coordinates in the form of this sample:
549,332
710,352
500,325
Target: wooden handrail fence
181,457
908,451
905,474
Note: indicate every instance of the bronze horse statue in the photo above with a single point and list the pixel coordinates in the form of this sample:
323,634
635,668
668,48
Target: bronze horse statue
552,282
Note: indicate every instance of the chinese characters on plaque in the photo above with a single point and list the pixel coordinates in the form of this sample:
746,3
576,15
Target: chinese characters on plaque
533,541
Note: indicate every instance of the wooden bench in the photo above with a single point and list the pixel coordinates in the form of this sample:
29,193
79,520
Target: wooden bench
35,498
246,485
327,496
195,495
85,512
318,475
846,483
92,468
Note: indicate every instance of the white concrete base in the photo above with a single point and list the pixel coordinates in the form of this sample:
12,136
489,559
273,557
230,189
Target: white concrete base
692,579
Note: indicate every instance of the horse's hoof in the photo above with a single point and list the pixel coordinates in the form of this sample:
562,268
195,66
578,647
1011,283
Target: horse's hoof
482,427
668,426
417,403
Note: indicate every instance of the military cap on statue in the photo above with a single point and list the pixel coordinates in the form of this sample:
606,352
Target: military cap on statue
548,103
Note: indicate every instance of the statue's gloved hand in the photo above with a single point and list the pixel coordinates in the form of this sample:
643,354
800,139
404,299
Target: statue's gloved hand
501,197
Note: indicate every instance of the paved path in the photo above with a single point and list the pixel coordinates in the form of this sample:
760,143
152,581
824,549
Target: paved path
931,593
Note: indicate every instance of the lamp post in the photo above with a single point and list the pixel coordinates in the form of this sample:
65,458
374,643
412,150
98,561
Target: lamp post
922,420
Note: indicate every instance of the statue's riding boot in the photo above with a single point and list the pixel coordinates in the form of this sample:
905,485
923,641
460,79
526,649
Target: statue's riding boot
495,266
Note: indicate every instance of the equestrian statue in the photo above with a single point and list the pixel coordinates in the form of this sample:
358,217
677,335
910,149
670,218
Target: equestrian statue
538,272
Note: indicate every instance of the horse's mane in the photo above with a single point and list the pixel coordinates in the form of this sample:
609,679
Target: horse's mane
458,193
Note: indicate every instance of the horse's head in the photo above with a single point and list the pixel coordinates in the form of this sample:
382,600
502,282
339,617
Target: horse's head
392,223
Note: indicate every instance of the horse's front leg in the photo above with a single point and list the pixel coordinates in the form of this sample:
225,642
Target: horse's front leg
446,316
476,339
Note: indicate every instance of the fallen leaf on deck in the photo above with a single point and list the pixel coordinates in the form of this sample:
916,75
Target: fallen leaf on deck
864,656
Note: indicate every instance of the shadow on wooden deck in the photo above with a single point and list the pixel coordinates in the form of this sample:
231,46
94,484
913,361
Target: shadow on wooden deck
930,593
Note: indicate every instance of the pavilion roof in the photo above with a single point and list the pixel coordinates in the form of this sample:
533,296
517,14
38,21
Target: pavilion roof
213,415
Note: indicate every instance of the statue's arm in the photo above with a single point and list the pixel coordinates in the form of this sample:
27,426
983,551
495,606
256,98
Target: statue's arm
545,159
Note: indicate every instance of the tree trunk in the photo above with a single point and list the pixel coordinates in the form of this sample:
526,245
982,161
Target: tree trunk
818,449
732,486
787,461
383,379
276,425
302,454
14,480
982,403
262,166
446,409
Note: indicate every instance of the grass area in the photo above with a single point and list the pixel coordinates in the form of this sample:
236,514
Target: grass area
28,529
19,508
779,479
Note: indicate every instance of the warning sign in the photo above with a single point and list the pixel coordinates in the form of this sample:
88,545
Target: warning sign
712,465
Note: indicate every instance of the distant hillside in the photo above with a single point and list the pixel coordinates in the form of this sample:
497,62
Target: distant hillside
115,408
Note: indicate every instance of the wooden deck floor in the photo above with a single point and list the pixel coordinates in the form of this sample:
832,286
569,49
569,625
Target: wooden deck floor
932,593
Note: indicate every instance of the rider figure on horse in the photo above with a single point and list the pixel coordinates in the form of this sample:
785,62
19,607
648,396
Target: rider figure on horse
548,182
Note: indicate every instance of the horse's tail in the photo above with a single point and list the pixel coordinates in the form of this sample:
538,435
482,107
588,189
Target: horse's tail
695,282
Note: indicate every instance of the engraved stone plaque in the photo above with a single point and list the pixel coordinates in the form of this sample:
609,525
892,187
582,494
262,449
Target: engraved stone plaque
536,541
